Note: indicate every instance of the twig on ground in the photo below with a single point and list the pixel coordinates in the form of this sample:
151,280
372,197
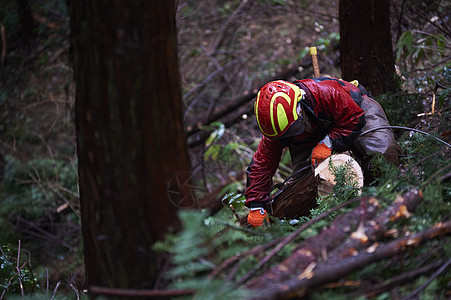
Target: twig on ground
76,291
18,270
398,280
105,291
55,290
3,35
47,282
423,286
250,252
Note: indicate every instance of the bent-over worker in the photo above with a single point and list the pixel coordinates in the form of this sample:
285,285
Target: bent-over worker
313,118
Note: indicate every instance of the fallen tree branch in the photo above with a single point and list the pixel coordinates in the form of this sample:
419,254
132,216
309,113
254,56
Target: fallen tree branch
230,109
325,272
116,292
245,98
401,279
288,239
428,282
316,249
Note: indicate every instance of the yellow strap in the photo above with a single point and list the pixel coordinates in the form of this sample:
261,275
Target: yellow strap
355,82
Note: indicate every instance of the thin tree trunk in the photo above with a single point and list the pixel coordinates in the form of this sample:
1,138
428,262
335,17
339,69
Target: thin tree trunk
366,44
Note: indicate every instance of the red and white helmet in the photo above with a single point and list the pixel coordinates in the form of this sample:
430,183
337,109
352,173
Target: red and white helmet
276,107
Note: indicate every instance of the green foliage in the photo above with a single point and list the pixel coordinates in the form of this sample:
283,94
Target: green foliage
322,43
207,241
195,251
16,275
445,80
435,290
233,195
417,47
345,185
419,146
425,157
220,148
33,185
33,190
345,188
400,108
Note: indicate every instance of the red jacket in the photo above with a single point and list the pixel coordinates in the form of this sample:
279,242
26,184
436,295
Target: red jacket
332,107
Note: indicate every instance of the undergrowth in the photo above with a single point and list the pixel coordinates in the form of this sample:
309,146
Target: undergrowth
33,188
206,241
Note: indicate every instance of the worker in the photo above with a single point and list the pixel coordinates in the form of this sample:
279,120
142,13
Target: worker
313,118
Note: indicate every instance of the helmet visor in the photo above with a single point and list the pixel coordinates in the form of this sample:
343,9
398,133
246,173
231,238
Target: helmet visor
296,128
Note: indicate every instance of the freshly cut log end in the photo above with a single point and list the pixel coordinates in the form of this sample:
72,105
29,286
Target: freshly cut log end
326,179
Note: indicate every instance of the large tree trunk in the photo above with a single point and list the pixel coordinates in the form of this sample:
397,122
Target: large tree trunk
130,138
366,44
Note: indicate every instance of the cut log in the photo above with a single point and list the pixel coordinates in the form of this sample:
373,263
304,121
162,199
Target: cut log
326,178
299,195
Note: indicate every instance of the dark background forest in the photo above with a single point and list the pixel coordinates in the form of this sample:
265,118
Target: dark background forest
227,50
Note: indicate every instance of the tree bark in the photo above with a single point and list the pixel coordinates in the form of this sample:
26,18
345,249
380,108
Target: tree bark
130,136
298,197
27,24
366,44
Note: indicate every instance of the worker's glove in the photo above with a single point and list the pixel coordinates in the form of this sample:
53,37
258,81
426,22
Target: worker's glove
321,151
256,216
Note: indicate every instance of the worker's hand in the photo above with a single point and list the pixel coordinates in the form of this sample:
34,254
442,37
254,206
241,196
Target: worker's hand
257,216
320,153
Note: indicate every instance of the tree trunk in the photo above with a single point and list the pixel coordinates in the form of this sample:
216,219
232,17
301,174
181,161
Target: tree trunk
130,137
27,24
366,44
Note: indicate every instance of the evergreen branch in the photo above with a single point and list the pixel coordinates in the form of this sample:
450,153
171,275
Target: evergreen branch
423,286
326,272
398,280
340,240
436,174
234,258
292,237
426,158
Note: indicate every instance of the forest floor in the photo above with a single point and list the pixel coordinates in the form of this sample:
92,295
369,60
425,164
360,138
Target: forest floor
225,51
